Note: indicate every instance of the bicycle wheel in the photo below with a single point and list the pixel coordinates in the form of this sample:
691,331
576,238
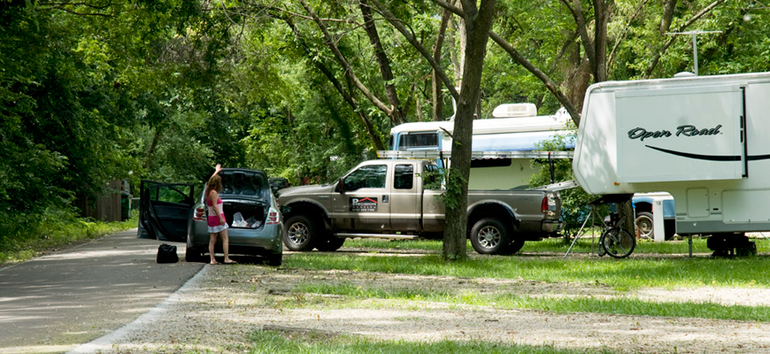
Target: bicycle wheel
618,243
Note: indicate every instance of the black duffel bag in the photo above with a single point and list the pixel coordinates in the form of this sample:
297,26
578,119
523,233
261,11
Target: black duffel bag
167,254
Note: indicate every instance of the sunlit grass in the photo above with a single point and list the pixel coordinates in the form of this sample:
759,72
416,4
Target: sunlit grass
585,244
632,273
556,304
318,342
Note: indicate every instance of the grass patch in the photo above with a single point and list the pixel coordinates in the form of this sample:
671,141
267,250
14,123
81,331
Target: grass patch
622,305
557,245
54,230
620,274
314,342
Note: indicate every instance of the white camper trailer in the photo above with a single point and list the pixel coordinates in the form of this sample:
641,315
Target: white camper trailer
515,127
702,139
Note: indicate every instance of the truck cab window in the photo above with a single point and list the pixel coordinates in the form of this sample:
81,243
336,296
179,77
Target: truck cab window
371,176
404,177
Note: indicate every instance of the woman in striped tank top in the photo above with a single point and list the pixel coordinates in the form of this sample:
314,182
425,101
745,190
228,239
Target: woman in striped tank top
216,216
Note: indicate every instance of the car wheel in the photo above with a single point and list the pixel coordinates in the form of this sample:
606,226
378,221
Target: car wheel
275,259
301,233
330,244
644,224
490,236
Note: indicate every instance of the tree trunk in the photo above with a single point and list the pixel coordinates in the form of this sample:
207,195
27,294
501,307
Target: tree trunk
477,23
668,14
153,145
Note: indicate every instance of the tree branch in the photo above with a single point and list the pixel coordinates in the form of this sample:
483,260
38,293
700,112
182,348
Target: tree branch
369,127
684,26
549,84
422,50
397,114
517,57
341,59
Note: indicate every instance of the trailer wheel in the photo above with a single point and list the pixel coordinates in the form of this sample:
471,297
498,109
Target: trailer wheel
301,233
644,224
490,236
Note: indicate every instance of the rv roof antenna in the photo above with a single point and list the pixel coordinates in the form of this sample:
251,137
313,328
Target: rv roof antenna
694,44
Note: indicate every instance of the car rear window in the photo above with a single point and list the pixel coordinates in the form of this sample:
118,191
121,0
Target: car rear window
243,183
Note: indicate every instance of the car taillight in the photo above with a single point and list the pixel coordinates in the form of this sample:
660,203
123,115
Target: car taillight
199,214
544,205
273,217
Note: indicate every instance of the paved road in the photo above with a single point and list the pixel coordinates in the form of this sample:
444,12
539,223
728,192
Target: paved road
56,302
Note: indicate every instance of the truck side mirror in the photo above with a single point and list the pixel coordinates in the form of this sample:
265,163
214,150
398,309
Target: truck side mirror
341,185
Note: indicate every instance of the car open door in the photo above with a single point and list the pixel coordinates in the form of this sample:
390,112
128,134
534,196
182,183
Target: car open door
164,210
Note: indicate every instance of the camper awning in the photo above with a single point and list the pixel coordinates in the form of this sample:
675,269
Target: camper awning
434,154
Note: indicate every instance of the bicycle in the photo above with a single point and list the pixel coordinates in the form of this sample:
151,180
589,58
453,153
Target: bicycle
616,241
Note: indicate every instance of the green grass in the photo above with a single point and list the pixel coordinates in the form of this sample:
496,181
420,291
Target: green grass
57,230
558,245
620,274
317,342
621,305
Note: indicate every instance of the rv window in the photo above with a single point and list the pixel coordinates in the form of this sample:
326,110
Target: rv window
418,140
490,163
404,177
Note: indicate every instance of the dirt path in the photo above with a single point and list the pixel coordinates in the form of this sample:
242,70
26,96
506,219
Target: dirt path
219,308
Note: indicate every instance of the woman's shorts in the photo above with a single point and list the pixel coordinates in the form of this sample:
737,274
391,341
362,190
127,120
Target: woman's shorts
217,229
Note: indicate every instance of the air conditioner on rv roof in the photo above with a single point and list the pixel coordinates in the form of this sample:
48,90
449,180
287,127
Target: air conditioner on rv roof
515,110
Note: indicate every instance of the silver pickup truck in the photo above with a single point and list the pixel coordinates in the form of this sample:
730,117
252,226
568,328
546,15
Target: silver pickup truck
386,199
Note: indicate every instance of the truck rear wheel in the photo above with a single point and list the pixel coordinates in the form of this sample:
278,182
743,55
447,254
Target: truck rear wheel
490,236
301,233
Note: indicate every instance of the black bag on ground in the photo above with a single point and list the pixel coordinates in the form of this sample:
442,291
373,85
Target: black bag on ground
167,254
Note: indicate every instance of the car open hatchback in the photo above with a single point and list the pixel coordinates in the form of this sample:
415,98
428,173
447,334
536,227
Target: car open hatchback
170,212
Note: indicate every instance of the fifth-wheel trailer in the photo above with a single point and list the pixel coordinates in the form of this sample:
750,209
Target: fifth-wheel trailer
700,138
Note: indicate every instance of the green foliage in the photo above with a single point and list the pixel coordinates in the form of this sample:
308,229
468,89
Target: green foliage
575,202
165,90
51,230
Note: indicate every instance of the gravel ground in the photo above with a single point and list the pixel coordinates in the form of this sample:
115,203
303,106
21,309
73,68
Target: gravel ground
218,309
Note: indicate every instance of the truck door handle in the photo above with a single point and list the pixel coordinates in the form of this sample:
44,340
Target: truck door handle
385,199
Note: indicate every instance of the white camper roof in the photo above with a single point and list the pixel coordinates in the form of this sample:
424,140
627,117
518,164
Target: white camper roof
492,125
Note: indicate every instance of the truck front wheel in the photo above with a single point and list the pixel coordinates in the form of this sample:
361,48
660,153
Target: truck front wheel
301,233
490,236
